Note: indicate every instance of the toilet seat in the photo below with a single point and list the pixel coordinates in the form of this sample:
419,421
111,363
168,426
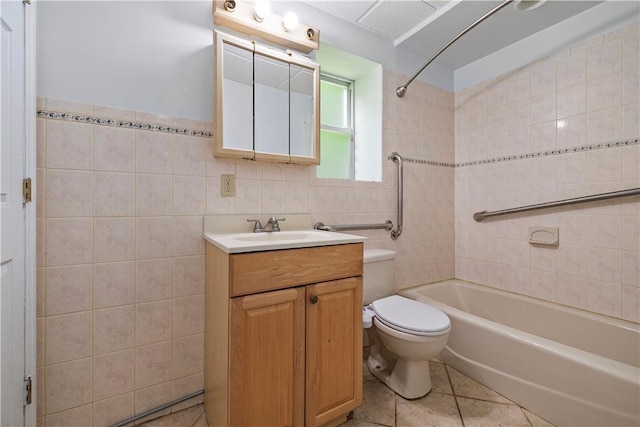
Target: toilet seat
411,317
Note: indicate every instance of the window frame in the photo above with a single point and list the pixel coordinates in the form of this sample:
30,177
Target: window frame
350,130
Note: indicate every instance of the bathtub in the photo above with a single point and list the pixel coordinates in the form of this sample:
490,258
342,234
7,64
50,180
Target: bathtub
571,367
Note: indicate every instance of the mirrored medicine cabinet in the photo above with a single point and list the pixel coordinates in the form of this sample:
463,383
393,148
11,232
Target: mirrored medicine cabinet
267,103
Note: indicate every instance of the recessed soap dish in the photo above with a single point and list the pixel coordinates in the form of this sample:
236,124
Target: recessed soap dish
543,236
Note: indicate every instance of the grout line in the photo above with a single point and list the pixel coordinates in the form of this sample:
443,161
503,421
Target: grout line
453,391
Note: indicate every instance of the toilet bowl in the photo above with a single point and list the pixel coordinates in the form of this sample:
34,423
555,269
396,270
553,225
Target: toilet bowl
405,333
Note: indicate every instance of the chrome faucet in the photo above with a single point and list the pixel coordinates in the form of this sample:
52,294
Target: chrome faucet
272,224
257,226
273,221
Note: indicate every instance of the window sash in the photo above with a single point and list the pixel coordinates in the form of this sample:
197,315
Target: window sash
348,84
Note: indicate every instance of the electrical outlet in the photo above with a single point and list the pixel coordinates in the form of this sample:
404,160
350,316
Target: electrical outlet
227,185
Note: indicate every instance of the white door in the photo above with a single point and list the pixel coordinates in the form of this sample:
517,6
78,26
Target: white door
12,213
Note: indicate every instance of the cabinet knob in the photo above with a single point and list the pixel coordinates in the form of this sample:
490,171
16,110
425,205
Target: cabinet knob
313,299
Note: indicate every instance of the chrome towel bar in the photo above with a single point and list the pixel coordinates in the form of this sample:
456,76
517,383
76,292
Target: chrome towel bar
388,225
479,216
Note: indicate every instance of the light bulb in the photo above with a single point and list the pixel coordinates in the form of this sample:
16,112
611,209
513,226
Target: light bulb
262,10
289,21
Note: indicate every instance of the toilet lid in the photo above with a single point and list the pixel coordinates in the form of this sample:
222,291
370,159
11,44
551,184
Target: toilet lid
410,316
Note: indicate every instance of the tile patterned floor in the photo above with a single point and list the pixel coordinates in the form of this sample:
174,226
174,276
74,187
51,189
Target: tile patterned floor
454,401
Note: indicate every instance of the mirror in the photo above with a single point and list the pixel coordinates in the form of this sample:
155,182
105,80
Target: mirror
237,96
271,104
267,103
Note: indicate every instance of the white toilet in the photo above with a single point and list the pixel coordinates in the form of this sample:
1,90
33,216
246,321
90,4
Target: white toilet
406,333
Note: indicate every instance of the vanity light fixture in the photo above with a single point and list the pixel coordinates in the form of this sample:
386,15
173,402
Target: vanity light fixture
262,10
289,21
256,19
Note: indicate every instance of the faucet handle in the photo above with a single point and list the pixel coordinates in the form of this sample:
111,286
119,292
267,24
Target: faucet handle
274,223
257,226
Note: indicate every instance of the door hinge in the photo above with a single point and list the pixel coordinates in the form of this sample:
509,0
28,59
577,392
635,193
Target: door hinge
26,190
26,1
27,391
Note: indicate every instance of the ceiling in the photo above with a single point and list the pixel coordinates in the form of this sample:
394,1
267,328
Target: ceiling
423,27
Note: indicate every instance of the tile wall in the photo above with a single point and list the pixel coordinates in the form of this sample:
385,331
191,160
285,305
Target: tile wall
579,97
121,199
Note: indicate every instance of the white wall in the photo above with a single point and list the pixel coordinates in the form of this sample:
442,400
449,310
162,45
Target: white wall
147,56
157,56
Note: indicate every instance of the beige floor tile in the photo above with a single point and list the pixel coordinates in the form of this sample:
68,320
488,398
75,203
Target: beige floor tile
439,378
378,404
535,420
357,423
435,409
467,387
480,413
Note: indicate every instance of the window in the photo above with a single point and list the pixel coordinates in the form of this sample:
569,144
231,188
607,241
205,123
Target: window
350,116
336,128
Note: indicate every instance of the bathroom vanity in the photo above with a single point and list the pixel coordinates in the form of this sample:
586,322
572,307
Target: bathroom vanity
283,331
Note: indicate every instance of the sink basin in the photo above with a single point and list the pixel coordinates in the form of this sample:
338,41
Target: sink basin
277,236
254,242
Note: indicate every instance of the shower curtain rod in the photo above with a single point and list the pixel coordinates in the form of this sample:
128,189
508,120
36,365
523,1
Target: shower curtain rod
401,90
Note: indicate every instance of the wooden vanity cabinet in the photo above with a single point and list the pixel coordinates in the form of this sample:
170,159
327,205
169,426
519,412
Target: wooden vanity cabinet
283,336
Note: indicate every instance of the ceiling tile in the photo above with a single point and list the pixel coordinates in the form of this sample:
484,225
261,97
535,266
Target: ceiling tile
350,11
394,18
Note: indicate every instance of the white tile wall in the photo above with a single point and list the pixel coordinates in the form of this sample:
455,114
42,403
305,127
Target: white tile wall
586,95
120,240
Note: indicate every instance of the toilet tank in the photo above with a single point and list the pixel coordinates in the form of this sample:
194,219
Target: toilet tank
379,274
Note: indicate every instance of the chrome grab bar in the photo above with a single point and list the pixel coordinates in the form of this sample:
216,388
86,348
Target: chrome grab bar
479,216
401,90
397,158
388,225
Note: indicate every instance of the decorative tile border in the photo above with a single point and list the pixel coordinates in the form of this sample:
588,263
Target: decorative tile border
82,118
592,147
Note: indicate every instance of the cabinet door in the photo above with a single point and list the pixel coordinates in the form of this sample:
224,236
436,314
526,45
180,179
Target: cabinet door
266,384
334,349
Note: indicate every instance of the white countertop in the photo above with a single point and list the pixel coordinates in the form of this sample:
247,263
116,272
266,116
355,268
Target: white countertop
268,241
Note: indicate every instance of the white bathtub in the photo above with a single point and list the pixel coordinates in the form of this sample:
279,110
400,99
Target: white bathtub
571,367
